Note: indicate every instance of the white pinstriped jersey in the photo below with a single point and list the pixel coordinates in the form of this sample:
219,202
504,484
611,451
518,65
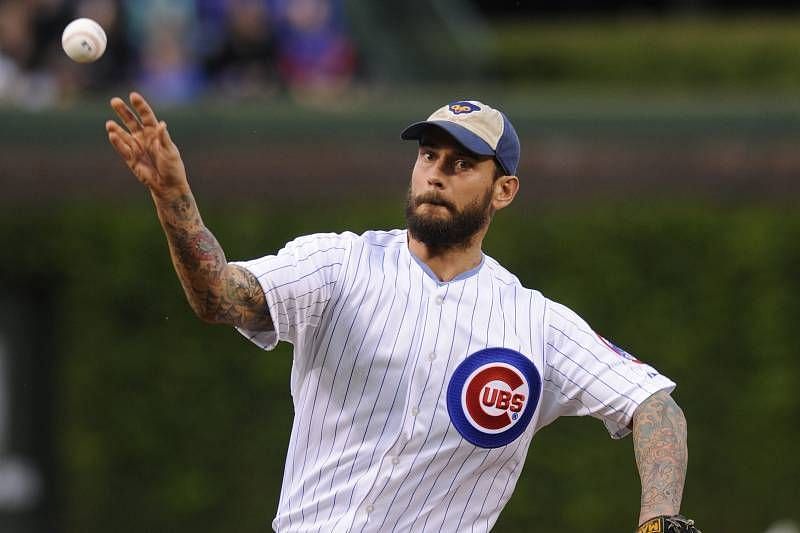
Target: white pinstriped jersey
384,436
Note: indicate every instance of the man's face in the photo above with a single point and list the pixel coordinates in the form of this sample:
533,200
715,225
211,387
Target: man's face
450,197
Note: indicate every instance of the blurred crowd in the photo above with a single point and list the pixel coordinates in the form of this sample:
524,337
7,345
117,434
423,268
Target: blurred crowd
176,50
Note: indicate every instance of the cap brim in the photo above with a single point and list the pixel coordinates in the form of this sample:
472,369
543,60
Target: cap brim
465,138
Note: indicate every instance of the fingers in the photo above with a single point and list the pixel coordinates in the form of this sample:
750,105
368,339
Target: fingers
119,144
125,114
144,109
113,127
163,135
127,147
124,143
134,121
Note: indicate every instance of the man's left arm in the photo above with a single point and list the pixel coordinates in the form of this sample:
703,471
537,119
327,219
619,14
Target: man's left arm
659,443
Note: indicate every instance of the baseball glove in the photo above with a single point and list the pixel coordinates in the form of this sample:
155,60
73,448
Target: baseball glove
668,524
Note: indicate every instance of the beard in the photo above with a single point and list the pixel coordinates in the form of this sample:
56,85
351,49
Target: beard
447,232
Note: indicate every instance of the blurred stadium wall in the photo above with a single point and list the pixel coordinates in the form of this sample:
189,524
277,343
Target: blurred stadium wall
659,199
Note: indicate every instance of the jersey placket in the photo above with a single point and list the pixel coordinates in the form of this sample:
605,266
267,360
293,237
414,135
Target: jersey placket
428,370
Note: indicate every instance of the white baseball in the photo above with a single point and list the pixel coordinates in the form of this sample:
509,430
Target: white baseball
84,40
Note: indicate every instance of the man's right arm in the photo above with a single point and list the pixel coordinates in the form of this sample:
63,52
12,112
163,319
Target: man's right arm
218,292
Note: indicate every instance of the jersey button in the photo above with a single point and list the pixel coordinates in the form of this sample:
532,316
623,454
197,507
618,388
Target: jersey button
439,300
431,356
414,411
395,460
369,508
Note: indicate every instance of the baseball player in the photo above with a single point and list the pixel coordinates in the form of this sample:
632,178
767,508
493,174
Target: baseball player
422,368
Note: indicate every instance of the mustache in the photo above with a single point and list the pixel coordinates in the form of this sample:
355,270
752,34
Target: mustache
432,198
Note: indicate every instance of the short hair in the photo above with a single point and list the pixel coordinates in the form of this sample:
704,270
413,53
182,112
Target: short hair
498,171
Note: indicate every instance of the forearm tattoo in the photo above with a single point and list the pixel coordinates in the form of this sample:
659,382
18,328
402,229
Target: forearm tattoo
659,440
218,292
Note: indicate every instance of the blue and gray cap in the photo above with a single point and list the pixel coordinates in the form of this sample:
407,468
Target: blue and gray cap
479,128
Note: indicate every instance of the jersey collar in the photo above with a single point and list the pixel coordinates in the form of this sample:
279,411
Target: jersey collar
425,268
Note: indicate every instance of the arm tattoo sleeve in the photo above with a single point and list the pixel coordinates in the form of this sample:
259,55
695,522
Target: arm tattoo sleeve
659,440
218,292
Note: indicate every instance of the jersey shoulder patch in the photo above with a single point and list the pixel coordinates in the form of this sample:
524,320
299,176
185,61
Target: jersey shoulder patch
616,349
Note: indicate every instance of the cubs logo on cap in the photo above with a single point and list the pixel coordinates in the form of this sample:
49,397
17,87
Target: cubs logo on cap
492,396
464,106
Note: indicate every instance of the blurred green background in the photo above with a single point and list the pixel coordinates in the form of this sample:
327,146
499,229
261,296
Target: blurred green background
659,200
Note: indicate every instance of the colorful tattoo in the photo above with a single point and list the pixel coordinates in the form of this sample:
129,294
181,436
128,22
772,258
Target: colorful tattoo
659,439
218,292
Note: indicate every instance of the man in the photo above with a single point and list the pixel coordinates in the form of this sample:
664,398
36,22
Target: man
422,368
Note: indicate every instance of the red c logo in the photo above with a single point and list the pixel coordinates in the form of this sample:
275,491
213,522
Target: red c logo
494,397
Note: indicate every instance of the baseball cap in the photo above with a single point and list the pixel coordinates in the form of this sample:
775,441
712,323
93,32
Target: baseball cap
481,129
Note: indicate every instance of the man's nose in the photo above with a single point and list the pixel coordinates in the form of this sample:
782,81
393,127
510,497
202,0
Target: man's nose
436,176
435,181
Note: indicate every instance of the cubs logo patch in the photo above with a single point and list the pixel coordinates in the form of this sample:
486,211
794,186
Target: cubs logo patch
492,396
463,107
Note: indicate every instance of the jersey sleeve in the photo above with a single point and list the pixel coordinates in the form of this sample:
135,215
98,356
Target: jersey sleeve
297,282
586,374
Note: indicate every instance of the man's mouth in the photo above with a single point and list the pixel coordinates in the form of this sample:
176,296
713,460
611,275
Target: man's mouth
431,201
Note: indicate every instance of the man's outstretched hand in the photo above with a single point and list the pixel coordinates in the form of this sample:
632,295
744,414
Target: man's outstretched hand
145,146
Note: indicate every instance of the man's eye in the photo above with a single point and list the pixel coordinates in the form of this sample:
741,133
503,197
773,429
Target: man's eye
463,164
427,156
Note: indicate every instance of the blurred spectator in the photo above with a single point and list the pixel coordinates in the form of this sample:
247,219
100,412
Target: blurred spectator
24,76
176,50
316,58
34,71
114,68
168,70
48,18
242,62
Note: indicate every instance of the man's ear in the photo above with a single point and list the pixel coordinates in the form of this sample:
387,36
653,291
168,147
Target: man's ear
505,189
